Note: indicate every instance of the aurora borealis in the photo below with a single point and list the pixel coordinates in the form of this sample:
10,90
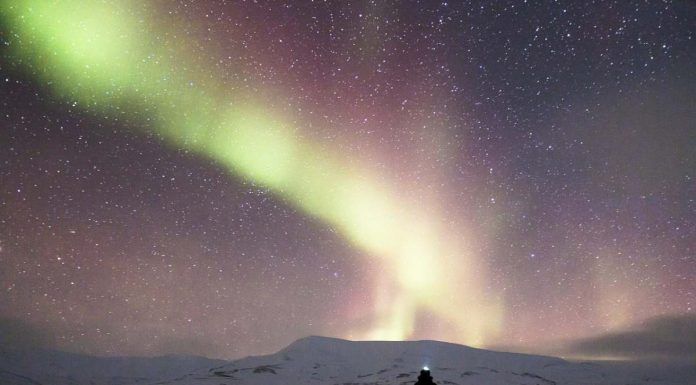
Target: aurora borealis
221,178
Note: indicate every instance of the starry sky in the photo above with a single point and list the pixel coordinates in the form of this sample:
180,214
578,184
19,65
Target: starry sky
223,177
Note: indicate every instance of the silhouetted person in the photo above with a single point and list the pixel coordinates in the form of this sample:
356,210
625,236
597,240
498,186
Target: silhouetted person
425,378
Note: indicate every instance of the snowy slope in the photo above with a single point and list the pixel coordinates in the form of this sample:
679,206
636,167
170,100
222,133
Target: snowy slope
320,360
47,367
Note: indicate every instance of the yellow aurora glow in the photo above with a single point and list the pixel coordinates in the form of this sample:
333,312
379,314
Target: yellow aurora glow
111,60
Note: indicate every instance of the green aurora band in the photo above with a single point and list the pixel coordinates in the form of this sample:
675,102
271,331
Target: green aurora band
111,60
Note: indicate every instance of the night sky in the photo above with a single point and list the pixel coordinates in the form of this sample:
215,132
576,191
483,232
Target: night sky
222,178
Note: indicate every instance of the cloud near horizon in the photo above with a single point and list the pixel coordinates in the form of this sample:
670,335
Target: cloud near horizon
18,334
669,336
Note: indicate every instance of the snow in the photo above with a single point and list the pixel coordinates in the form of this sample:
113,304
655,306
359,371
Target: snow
48,367
321,360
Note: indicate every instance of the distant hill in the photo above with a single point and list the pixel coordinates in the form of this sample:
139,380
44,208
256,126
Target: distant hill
49,367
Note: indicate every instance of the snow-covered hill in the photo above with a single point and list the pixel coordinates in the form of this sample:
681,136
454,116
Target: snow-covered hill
320,360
